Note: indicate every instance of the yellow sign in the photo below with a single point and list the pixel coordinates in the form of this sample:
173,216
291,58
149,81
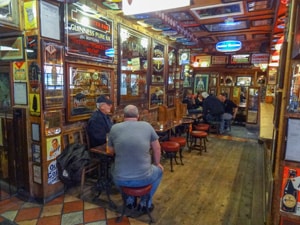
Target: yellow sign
30,15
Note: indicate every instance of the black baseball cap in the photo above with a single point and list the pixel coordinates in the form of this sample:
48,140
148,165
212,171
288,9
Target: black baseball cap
104,99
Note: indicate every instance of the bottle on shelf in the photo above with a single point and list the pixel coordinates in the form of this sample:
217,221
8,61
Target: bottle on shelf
290,194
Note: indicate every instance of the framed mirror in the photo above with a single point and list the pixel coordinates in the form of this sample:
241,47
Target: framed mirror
133,66
156,96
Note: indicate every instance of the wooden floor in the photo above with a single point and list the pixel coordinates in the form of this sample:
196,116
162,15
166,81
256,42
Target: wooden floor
223,186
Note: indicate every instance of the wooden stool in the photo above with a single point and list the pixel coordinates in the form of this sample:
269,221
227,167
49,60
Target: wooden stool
201,135
170,148
182,142
136,192
202,127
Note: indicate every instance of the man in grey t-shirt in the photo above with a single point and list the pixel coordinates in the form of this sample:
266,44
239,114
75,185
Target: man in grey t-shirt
131,141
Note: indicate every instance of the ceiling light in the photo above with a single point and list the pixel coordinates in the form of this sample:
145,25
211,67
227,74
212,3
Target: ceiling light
132,7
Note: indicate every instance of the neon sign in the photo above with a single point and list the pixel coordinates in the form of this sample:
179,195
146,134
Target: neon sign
228,46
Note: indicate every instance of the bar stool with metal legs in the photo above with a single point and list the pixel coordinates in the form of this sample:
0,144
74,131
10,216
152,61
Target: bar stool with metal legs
170,148
139,192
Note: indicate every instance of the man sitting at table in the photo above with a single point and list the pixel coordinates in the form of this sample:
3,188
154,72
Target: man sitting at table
213,108
131,141
100,123
230,110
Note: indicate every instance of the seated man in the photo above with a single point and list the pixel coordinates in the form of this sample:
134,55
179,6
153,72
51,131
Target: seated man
100,123
131,141
230,109
213,108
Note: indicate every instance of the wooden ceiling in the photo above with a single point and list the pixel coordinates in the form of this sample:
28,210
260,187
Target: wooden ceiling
204,23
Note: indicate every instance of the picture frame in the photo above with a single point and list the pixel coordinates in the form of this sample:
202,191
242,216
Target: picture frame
37,174
219,60
50,20
95,45
9,13
16,44
85,83
53,75
272,75
243,81
212,91
35,132
200,83
213,80
36,153
219,10
296,39
5,98
293,140
54,147
156,96
52,122
20,93
226,90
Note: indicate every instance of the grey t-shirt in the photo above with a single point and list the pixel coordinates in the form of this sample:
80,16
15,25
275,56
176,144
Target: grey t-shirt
131,141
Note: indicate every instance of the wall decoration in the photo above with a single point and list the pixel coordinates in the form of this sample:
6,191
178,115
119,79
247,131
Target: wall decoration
85,83
53,173
220,10
296,41
35,132
37,174
156,96
30,15
53,75
240,59
52,122
20,93
170,100
215,60
36,153
158,61
203,60
200,83
9,13
290,198
50,20
293,140
89,42
32,47
15,51
243,81
19,71
5,97
53,147
34,102
272,75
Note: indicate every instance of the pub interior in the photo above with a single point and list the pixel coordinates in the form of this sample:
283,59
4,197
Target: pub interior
58,56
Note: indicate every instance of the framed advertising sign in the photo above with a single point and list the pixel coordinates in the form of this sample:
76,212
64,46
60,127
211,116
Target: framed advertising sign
92,41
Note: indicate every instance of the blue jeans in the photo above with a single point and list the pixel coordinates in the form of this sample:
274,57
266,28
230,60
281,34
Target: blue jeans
154,179
225,116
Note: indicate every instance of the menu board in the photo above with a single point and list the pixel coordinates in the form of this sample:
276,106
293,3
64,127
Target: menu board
88,34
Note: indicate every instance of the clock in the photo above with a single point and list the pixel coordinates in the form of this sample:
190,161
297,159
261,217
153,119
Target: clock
184,56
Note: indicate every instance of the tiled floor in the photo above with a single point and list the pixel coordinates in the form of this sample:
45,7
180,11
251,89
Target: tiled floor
66,210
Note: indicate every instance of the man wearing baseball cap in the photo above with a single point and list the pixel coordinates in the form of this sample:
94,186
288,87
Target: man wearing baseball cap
100,123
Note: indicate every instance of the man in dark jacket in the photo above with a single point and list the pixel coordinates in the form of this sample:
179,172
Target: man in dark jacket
100,123
213,108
